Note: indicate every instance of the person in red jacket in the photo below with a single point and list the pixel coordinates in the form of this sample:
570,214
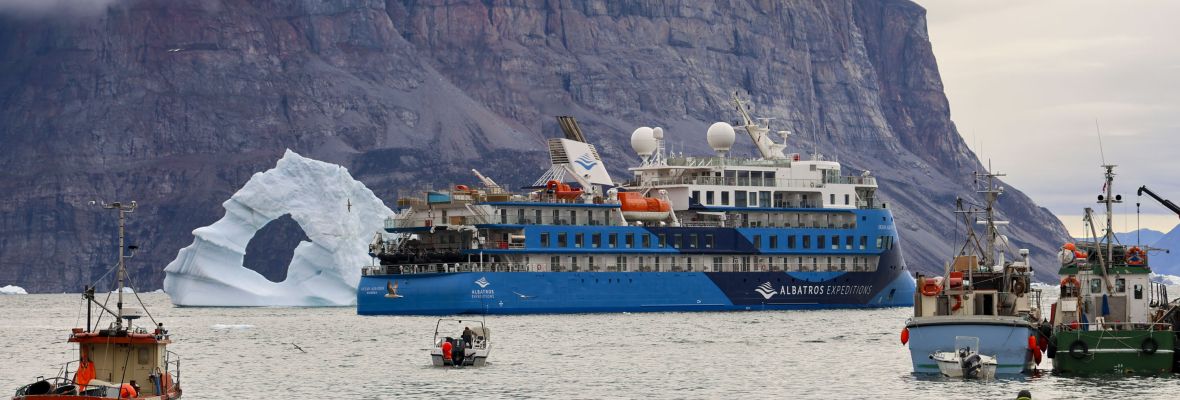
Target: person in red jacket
446,350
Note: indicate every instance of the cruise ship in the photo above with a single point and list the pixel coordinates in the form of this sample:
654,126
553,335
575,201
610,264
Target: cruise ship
711,233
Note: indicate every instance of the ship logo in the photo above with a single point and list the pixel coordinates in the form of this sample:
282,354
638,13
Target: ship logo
586,161
391,290
766,290
483,282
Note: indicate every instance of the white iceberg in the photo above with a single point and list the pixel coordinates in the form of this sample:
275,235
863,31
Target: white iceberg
338,213
11,289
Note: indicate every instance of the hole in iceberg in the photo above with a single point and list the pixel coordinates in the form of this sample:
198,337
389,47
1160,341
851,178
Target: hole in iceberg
272,247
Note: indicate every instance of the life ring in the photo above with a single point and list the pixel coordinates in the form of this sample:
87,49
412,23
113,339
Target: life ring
1070,281
1135,256
931,286
958,303
1149,346
1078,349
1018,287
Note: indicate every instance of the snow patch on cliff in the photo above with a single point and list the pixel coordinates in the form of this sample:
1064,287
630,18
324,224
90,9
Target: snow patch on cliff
10,289
323,272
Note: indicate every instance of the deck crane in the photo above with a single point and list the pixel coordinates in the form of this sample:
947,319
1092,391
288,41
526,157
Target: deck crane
1166,203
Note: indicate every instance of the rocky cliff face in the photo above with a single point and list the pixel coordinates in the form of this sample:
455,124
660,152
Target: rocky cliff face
176,103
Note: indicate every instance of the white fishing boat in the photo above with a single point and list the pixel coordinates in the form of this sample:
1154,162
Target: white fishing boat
469,349
965,361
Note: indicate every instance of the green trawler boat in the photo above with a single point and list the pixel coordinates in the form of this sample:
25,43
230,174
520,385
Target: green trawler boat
1110,317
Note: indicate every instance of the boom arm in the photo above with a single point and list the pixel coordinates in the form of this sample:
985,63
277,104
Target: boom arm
1166,203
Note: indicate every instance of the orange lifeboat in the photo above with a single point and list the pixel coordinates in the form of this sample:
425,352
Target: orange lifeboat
563,191
638,208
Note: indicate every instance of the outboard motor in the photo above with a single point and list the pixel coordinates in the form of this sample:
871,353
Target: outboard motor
457,353
971,366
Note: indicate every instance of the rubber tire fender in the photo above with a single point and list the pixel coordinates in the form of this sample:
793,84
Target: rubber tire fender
1078,349
1149,346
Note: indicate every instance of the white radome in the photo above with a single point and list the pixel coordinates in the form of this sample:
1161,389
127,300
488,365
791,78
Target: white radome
658,133
721,136
643,141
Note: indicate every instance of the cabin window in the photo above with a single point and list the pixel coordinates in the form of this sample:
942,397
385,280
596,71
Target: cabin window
590,263
545,240
621,263
696,197
503,216
688,264
674,266
757,241
848,242
557,218
595,240
647,241
1120,285
639,264
807,241
612,240
743,179
725,198
573,217
846,200
768,178
656,264
663,241
821,241
791,241
537,214
842,266
562,240
677,241
774,241
1138,291
864,240
764,199
880,241
832,198
709,197
739,199
574,263
708,240
520,216
717,261
746,264
692,240
555,263
590,217
629,240
579,240
1096,285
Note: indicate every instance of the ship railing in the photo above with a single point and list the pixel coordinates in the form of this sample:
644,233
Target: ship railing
1118,326
65,386
441,268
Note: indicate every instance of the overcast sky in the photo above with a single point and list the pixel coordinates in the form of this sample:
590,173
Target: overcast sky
1027,80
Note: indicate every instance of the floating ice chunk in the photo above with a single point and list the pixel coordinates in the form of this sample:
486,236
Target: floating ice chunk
11,289
125,290
338,213
226,327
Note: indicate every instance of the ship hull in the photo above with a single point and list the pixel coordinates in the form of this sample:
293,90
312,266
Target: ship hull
1005,339
1113,352
604,292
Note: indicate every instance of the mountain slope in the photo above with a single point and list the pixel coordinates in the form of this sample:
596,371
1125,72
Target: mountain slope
176,103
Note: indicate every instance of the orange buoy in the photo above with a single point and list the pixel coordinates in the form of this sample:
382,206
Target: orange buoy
1070,247
905,335
126,391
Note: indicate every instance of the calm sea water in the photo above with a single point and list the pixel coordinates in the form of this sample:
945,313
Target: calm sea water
248,353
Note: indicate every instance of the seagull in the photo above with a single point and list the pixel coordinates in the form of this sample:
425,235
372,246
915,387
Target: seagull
298,348
523,296
391,290
349,205
174,50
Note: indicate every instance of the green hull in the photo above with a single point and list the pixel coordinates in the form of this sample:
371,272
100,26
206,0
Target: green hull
1118,352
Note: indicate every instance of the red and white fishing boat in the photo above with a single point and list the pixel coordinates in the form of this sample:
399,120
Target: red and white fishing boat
121,360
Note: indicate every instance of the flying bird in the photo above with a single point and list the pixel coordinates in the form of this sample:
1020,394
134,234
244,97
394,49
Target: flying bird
298,348
391,290
523,296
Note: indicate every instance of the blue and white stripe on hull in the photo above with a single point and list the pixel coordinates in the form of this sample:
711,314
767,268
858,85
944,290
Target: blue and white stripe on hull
588,292
1006,340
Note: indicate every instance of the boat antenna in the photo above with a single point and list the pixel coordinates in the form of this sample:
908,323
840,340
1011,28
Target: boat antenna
1101,152
123,209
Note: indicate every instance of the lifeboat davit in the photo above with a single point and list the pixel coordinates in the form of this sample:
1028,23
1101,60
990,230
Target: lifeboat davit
638,208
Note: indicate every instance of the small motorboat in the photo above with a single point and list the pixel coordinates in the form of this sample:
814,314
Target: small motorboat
469,348
965,361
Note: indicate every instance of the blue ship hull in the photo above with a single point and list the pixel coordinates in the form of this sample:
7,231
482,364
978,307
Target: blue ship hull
1007,342
587,292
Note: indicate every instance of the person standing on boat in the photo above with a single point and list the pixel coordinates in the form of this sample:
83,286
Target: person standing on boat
467,335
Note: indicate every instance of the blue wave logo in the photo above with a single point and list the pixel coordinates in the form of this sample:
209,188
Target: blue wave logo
482,282
586,161
766,290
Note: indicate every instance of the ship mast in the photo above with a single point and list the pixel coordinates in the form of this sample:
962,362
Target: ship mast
124,209
1109,200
